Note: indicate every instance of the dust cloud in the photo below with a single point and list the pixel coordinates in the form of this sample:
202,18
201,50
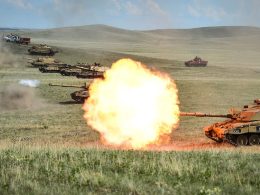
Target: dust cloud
14,96
7,58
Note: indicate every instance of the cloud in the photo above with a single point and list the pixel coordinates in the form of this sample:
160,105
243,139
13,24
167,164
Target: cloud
66,12
155,8
117,4
193,11
200,8
144,12
133,9
139,7
247,12
24,4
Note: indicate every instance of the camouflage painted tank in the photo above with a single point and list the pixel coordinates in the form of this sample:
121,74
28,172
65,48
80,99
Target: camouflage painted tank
81,68
242,127
71,71
93,71
74,70
42,50
45,61
90,75
53,68
78,96
196,62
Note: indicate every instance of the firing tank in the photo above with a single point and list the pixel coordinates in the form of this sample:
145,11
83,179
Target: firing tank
42,49
78,96
45,61
196,62
241,128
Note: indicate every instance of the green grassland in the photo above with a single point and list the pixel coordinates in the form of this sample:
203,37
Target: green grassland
81,171
49,149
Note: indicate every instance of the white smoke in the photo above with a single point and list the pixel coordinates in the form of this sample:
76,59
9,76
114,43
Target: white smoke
29,83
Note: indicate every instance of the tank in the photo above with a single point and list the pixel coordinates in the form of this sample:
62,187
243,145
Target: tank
45,61
78,96
83,67
74,70
53,68
241,128
93,71
42,49
196,62
71,71
90,75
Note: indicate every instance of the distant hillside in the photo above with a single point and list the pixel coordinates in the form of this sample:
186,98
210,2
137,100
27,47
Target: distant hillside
92,33
101,33
7,29
208,32
236,46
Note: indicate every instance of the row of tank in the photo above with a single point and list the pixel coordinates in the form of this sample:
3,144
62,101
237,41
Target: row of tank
80,70
43,49
48,64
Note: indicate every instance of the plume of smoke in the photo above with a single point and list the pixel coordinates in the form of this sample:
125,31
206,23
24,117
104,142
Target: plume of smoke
14,97
29,83
7,58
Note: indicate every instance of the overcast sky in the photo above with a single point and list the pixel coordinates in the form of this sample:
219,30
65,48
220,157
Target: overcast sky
129,14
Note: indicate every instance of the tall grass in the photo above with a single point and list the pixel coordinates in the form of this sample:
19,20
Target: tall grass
80,171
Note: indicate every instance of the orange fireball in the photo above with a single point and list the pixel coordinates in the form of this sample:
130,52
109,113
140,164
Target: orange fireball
132,106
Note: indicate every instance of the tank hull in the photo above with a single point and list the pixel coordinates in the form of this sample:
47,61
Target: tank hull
196,64
238,134
80,96
42,53
90,75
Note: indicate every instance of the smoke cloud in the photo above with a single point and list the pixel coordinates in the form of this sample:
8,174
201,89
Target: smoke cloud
29,83
7,58
14,96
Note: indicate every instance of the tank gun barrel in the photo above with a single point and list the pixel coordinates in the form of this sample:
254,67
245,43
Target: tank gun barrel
75,86
199,114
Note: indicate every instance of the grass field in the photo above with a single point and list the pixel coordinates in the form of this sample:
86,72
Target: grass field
49,149
81,171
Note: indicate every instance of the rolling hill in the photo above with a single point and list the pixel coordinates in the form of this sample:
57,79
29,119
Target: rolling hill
222,46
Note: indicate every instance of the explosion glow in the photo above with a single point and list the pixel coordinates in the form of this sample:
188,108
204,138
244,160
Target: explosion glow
132,106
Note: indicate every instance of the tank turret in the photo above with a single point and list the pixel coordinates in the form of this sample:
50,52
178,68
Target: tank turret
95,67
90,75
241,128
